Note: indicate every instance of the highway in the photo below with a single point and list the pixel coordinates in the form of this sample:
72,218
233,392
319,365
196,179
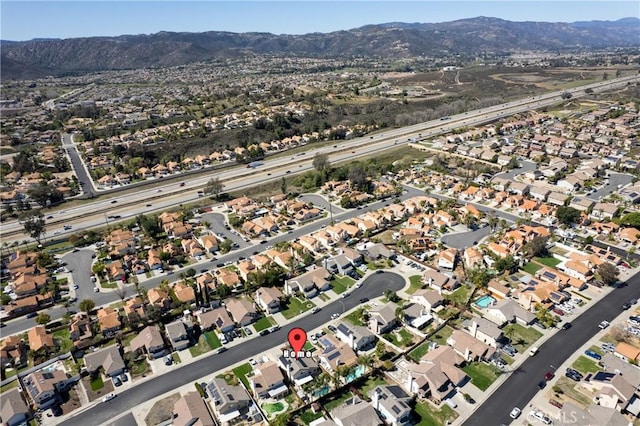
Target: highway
101,412
96,213
521,386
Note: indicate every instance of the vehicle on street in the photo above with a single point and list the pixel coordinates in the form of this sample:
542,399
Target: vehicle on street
533,351
542,384
345,294
566,326
248,331
315,310
96,289
364,300
108,397
549,375
335,316
220,350
515,413
32,314
603,325
626,306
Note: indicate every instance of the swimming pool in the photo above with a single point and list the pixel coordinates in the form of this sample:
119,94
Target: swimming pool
357,372
485,301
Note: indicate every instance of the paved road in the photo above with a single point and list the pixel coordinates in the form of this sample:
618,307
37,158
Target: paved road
320,201
462,240
79,263
78,166
521,386
217,225
372,287
511,174
616,181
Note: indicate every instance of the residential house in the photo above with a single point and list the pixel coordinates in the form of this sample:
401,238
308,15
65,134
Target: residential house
594,414
309,283
613,391
44,387
242,311
393,403
209,242
438,281
472,258
508,310
447,259
428,298
228,401
268,381
134,306
335,354
80,330
184,292
191,410
40,339
159,298
629,353
109,359
299,370
178,335
436,376
469,348
355,411
109,321
13,410
268,299
483,330
149,341
218,317
357,337
382,319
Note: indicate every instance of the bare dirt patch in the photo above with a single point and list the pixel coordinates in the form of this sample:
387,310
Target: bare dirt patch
107,388
161,410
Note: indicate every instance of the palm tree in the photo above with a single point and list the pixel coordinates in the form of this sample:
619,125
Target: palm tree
366,360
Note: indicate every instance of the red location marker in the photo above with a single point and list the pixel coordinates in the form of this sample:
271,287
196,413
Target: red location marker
297,338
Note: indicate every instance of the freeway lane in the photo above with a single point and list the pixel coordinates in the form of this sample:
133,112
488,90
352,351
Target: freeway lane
375,143
521,386
101,413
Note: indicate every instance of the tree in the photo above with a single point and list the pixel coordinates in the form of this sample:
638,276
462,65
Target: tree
537,246
567,215
34,224
357,176
320,161
505,264
391,295
43,319
214,186
381,349
608,273
225,246
87,305
283,185
479,277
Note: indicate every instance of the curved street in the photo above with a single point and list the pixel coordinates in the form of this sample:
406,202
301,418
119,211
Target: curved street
101,413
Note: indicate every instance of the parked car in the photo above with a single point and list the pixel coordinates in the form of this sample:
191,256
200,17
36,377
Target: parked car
626,306
566,326
248,331
573,374
108,397
167,360
593,354
542,384
116,381
123,377
603,325
555,403
549,375
332,328
32,314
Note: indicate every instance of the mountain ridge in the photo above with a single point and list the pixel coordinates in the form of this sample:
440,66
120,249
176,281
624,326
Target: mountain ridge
38,57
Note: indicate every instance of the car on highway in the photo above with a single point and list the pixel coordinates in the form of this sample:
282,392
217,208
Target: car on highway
114,201
515,413
108,397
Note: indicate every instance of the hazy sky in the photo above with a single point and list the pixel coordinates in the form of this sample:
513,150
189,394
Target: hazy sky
24,19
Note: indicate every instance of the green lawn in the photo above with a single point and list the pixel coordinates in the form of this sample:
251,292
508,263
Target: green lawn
338,401
585,365
419,352
370,384
482,375
212,339
296,307
400,338
461,295
64,340
201,347
324,297
139,367
308,346
309,416
415,284
97,383
108,284
176,358
568,387
355,317
9,386
241,371
441,336
340,285
548,261
262,324
431,416
273,408
521,337
531,268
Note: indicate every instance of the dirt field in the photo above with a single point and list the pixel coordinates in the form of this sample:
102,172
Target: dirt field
161,410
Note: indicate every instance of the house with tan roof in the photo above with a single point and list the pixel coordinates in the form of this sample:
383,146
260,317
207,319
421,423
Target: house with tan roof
268,381
44,387
228,401
109,321
472,258
40,339
178,335
191,410
309,283
268,299
135,306
153,259
447,259
218,317
470,348
80,329
242,311
228,277
184,292
209,242
629,235
438,281
628,352
336,354
613,391
149,341
159,297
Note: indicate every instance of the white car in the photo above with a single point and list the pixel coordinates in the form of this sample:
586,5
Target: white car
603,325
540,417
515,413
335,316
108,397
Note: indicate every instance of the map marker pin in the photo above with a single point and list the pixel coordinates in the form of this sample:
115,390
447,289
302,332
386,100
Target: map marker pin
297,338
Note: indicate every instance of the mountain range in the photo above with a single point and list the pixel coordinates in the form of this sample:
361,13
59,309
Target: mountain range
39,57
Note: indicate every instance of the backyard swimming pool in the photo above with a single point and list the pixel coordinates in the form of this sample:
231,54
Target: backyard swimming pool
485,301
